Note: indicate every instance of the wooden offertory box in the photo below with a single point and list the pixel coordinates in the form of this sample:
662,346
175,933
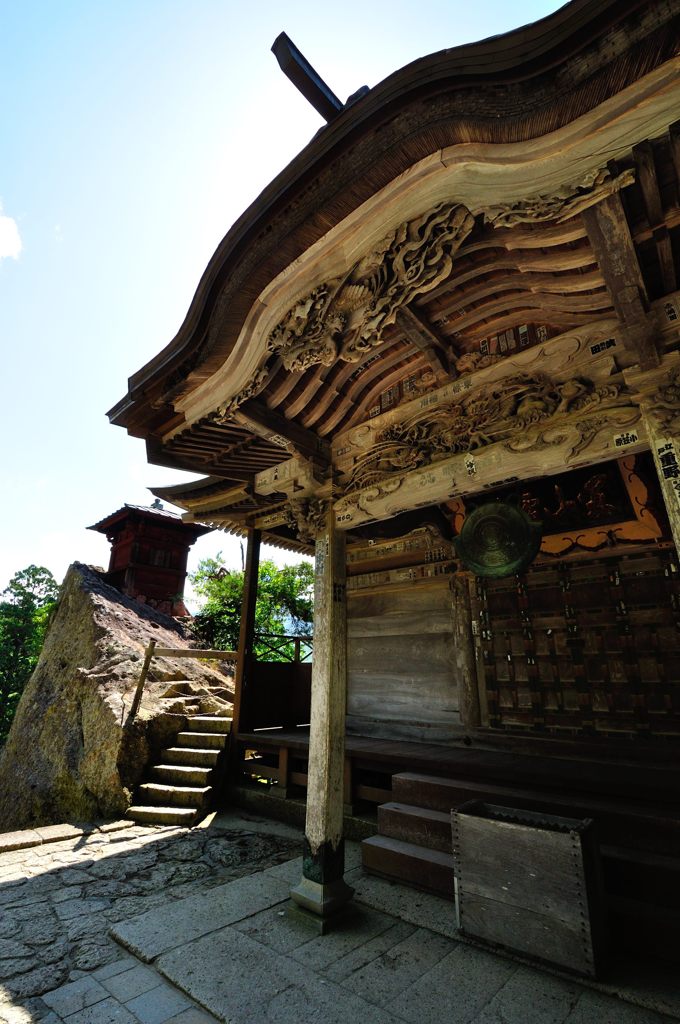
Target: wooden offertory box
529,882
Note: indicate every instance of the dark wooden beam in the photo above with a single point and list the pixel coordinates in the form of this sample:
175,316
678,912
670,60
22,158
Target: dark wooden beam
614,251
643,154
157,455
674,135
664,253
297,68
651,194
422,334
289,435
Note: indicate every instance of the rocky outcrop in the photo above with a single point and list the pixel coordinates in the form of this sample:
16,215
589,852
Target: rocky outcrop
71,753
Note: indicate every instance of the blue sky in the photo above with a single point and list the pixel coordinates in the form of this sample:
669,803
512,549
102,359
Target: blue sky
132,135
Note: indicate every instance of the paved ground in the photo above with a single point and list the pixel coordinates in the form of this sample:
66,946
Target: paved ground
59,899
158,926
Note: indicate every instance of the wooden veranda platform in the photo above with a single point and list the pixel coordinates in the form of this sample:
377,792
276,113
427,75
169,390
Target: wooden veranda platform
627,775
633,800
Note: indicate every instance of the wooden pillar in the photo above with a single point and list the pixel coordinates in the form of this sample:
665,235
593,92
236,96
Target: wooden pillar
658,392
466,662
322,890
244,667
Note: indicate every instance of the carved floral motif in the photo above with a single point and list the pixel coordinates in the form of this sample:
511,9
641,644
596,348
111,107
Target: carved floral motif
513,411
566,203
346,317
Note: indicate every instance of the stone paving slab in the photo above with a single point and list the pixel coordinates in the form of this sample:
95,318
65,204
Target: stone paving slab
274,968
228,973
10,841
218,943
24,840
161,930
376,964
59,898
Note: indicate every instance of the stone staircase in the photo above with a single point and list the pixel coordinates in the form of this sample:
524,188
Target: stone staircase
181,787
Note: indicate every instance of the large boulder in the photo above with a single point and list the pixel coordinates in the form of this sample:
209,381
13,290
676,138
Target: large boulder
72,753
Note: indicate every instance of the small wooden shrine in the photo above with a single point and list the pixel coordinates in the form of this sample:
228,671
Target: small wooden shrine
462,297
149,551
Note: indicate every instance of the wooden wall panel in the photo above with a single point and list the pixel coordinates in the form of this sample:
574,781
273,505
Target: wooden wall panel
402,664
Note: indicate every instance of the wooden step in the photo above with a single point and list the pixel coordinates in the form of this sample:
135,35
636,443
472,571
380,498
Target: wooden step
210,723
193,756
618,822
430,870
418,825
162,815
181,775
157,794
211,740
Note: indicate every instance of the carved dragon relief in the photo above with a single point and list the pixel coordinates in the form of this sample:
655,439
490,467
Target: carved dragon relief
566,203
515,411
345,318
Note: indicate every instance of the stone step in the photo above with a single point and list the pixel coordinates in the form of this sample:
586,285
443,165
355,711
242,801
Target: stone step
418,825
181,688
210,723
193,756
181,775
178,706
211,740
159,795
430,870
162,815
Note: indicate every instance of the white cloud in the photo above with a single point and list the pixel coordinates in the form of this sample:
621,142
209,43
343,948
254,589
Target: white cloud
10,239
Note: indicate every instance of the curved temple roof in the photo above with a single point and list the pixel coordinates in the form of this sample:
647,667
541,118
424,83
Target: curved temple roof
438,234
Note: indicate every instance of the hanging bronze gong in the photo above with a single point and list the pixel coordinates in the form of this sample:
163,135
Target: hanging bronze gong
498,540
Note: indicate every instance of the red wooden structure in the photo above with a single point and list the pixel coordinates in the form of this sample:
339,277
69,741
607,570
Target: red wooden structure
149,551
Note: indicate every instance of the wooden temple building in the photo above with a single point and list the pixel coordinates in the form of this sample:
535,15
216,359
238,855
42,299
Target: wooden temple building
460,305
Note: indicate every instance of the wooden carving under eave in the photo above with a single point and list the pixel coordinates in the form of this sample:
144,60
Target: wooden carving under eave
566,203
664,406
225,412
307,516
514,411
345,317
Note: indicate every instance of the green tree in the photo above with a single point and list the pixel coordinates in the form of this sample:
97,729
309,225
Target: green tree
24,612
284,604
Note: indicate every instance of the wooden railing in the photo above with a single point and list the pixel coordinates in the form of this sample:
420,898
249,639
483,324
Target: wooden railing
152,651
284,648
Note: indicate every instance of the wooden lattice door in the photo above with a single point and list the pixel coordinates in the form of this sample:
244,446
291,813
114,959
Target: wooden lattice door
584,647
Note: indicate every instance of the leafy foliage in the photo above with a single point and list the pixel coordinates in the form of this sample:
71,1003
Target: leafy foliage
24,614
284,604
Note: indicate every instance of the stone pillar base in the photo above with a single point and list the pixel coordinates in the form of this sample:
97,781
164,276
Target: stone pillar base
321,904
